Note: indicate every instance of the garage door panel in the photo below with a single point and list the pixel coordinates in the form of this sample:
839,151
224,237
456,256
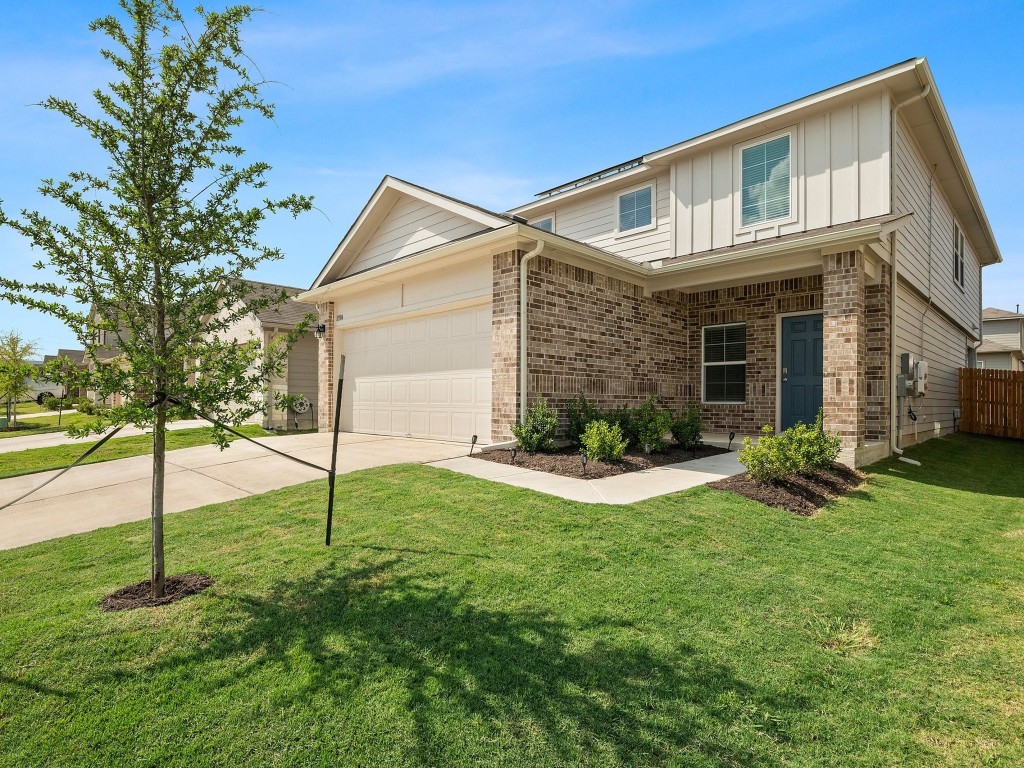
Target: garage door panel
427,377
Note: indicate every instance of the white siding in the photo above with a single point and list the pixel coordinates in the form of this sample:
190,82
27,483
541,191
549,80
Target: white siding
918,236
593,219
411,226
302,373
1006,333
932,338
998,361
841,166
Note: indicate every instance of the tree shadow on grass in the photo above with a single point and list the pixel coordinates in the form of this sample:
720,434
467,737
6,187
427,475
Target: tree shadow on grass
598,691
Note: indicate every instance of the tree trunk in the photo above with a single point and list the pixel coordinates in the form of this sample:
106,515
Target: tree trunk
157,517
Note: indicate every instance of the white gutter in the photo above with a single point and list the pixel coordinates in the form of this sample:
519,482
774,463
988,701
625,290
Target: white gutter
524,266
894,438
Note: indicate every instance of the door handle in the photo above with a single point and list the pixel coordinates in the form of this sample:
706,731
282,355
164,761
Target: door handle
785,379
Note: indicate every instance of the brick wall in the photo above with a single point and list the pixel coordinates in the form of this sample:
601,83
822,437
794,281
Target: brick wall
844,347
505,345
326,383
878,357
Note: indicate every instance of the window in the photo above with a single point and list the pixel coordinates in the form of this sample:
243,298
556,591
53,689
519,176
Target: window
725,364
635,209
958,255
548,224
765,181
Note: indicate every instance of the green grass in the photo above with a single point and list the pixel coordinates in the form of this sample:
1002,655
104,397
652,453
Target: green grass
460,622
32,460
40,425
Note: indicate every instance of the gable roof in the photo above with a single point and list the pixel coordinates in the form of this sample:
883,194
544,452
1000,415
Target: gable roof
992,313
989,347
289,312
388,193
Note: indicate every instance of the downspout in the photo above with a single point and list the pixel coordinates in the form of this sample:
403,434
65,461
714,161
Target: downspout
894,423
524,267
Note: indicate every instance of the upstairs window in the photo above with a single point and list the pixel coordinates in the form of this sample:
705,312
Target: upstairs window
958,255
636,209
725,364
548,224
766,181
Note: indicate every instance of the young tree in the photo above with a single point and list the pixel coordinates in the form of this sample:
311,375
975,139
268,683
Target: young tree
158,244
15,370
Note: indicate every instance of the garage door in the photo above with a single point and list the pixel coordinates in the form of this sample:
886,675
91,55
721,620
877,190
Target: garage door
427,377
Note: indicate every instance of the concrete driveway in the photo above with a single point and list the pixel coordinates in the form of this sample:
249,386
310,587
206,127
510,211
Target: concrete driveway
113,492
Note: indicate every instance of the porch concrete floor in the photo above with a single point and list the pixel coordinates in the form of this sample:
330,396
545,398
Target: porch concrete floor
620,489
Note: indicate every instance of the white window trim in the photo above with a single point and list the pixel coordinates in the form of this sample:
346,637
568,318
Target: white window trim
737,162
959,256
704,368
533,222
653,184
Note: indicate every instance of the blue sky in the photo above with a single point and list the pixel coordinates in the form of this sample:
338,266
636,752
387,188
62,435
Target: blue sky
494,101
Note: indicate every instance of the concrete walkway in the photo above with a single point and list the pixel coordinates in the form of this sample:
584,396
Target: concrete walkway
100,495
48,439
620,489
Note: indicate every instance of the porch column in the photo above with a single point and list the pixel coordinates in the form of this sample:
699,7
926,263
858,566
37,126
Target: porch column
326,383
505,345
844,396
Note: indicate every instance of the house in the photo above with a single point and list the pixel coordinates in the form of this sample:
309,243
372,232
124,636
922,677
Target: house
1002,345
782,263
300,374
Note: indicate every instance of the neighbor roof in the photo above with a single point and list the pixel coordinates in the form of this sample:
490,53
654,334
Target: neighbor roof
289,312
992,313
991,346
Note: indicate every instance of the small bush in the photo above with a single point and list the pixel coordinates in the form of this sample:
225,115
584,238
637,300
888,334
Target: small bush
86,406
537,433
772,459
51,403
686,430
579,412
815,448
603,441
624,418
651,424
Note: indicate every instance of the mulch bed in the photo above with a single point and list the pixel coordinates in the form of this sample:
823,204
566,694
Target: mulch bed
566,461
137,595
802,494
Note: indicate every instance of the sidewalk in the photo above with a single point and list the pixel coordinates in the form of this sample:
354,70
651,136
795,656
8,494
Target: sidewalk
48,439
112,492
619,489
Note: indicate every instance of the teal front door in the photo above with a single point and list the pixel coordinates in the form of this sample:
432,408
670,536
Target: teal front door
801,369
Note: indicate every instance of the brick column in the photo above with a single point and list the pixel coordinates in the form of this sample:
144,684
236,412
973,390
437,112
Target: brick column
327,385
877,305
843,349
505,345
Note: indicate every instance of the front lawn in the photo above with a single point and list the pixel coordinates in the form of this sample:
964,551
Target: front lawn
461,622
39,425
31,460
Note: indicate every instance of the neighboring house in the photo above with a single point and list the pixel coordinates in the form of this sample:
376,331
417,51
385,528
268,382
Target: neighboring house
1002,345
300,374
765,269
77,358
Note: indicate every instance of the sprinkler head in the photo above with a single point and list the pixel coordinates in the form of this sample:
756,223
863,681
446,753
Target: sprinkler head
583,460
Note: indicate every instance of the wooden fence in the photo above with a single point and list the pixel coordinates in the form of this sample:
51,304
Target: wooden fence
992,402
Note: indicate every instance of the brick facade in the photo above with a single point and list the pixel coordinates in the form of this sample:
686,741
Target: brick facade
505,345
877,326
326,383
844,347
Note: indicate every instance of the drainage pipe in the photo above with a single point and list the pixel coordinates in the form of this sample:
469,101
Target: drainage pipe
524,268
894,420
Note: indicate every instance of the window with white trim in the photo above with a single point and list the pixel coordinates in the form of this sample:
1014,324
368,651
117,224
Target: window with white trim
725,363
765,181
636,209
958,255
548,224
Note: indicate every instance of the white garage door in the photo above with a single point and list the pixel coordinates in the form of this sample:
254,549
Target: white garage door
426,377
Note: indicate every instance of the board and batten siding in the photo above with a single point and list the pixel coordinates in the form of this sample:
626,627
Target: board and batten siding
927,237
840,167
593,219
410,227
929,336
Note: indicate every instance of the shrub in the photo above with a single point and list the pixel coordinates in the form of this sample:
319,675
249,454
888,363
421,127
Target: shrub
624,419
815,448
579,412
86,406
603,441
537,432
687,428
772,459
51,404
651,424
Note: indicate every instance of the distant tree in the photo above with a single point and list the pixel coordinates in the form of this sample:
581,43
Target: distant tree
160,241
16,372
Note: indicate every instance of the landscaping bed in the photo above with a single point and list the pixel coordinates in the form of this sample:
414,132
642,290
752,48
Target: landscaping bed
566,462
803,494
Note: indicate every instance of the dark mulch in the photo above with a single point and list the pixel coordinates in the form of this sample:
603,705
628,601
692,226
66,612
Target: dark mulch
802,494
566,461
137,595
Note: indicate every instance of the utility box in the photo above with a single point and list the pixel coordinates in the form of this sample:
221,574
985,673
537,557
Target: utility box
920,377
908,364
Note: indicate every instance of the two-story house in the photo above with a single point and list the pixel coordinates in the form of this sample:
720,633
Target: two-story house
765,269
1002,340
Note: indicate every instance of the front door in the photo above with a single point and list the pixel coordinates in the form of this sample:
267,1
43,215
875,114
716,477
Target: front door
801,369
